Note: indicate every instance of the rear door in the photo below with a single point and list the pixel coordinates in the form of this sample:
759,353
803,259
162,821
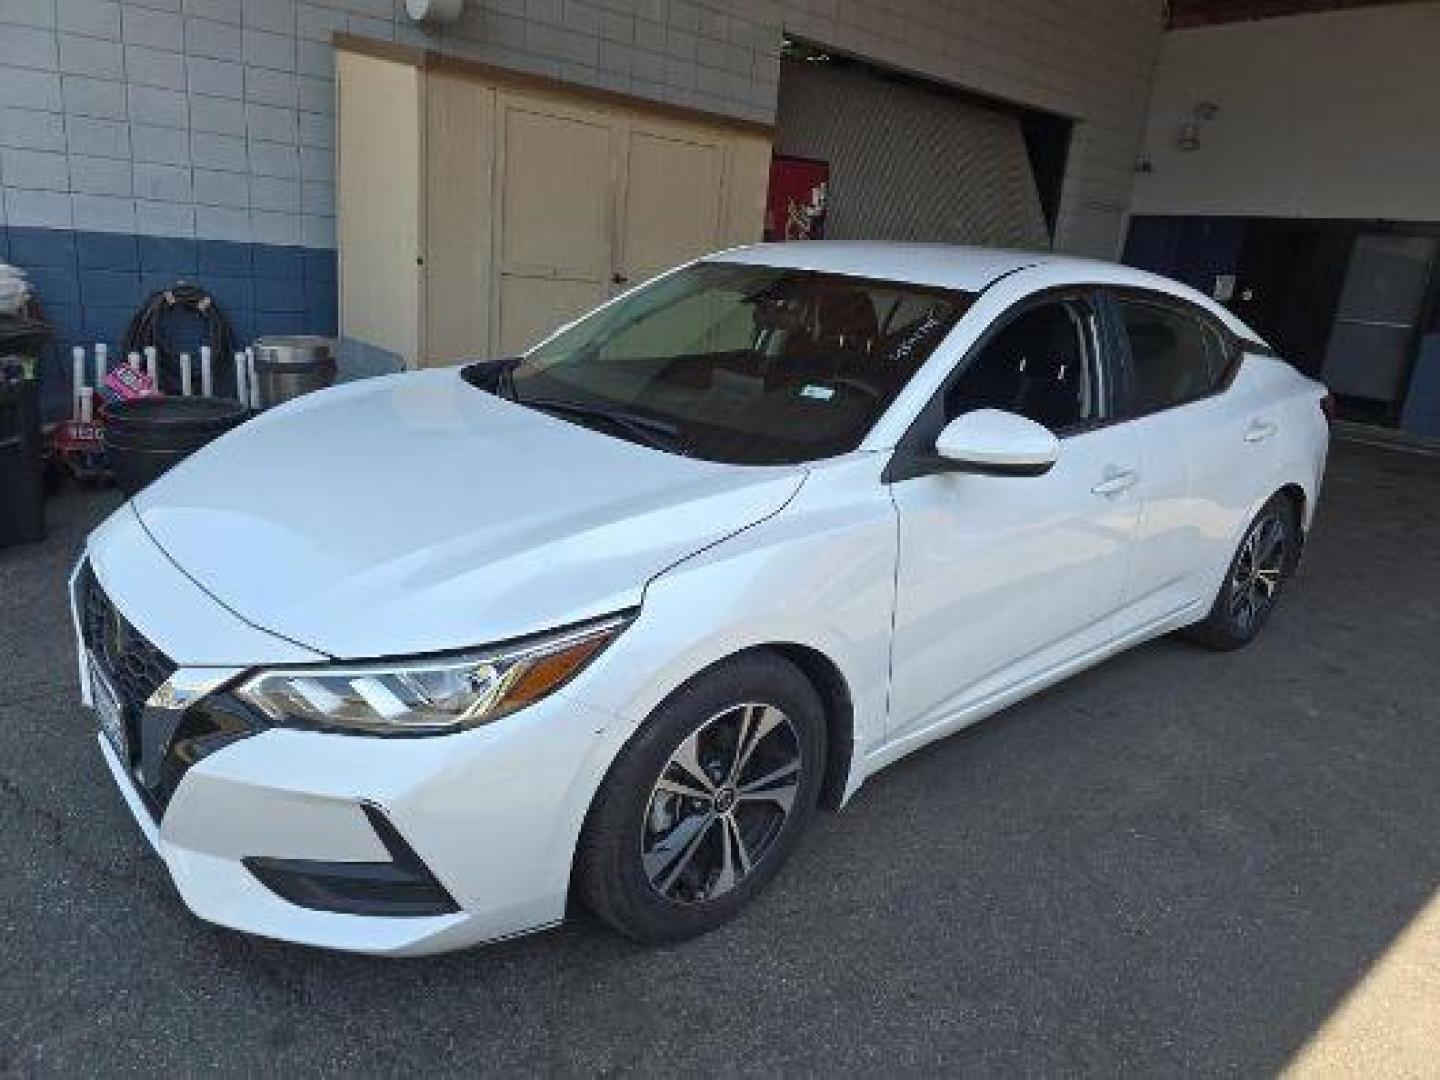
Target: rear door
1197,443
1001,580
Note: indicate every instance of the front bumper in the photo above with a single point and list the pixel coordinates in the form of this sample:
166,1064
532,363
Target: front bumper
494,815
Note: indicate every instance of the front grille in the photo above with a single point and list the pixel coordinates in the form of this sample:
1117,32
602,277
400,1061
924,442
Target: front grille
136,669
134,666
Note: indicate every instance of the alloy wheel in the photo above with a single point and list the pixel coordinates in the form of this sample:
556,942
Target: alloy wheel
720,803
1259,571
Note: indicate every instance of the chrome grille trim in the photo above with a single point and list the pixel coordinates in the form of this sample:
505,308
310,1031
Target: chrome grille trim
134,665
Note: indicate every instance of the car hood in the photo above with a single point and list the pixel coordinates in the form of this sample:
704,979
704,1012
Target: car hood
414,513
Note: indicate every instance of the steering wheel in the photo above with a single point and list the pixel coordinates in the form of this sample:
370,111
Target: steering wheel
863,387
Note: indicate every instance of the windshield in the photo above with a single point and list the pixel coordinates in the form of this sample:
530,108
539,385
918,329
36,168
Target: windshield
740,364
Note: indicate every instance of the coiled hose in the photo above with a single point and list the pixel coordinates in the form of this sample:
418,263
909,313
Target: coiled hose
148,326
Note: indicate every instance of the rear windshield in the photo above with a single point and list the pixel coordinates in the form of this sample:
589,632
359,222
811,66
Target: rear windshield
742,364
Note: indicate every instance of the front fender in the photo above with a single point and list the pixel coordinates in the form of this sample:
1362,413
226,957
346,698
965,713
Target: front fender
820,574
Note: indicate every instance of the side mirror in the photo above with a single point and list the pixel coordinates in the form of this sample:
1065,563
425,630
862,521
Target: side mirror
996,443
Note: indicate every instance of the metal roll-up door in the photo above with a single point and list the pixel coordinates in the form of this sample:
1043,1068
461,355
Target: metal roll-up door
908,164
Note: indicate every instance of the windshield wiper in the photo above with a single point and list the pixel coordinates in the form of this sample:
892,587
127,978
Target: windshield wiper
494,376
498,377
660,434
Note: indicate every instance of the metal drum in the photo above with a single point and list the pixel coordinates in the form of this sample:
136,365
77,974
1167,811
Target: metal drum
286,367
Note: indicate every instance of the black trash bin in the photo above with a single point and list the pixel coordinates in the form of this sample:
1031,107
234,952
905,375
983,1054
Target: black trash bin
22,463
146,436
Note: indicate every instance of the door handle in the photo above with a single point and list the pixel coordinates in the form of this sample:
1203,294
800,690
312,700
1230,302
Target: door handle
1116,481
1260,430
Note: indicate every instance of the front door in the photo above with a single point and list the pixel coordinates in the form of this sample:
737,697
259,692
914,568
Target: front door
1003,579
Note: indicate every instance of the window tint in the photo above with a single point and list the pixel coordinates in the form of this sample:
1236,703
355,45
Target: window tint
1035,366
1174,357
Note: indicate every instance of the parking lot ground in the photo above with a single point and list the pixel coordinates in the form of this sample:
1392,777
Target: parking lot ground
1179,862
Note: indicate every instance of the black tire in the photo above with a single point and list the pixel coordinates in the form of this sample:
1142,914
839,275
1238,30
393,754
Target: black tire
635,825
1243,605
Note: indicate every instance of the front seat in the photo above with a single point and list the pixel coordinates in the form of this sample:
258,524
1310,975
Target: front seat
838,335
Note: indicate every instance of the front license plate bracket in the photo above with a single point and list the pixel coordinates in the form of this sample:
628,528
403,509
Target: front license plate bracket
110,714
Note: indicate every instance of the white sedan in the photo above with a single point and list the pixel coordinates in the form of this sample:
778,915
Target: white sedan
407,664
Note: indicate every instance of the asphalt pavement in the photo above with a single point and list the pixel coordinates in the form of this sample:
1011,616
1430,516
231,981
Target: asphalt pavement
1179,862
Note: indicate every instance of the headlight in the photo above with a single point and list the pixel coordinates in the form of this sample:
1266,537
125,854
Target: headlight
428,696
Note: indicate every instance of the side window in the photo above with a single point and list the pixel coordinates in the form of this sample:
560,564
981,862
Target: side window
1038,365
1174,357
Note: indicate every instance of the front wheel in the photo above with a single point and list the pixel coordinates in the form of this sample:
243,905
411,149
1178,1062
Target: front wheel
706,802
1257,574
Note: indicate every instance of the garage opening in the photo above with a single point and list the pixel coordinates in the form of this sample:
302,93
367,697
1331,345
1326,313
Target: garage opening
912,160
1352,302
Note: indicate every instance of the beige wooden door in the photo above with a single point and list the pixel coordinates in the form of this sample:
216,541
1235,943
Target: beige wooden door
379,195
505,209
671,200
555,218
459,184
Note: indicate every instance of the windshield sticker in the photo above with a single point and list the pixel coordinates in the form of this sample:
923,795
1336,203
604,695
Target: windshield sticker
923,329
819,393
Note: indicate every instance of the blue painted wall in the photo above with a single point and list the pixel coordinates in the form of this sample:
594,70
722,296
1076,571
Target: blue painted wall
90,284
1195,250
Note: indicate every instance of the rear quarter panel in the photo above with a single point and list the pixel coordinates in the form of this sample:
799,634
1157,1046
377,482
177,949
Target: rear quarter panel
1205,475
1301,445
1269,390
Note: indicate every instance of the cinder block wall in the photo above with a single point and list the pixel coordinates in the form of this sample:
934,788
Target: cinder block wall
209,124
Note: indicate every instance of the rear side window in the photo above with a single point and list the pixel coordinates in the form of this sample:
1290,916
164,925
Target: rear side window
1174,357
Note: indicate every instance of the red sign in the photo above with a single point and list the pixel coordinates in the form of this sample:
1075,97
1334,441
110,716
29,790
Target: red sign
78,435
798,198
80,448
126,383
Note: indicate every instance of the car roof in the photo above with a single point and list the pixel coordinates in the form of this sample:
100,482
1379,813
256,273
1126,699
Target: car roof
954,266
950,266
947,265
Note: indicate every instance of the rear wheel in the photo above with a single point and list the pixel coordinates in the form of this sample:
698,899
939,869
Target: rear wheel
706,802
1257,575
